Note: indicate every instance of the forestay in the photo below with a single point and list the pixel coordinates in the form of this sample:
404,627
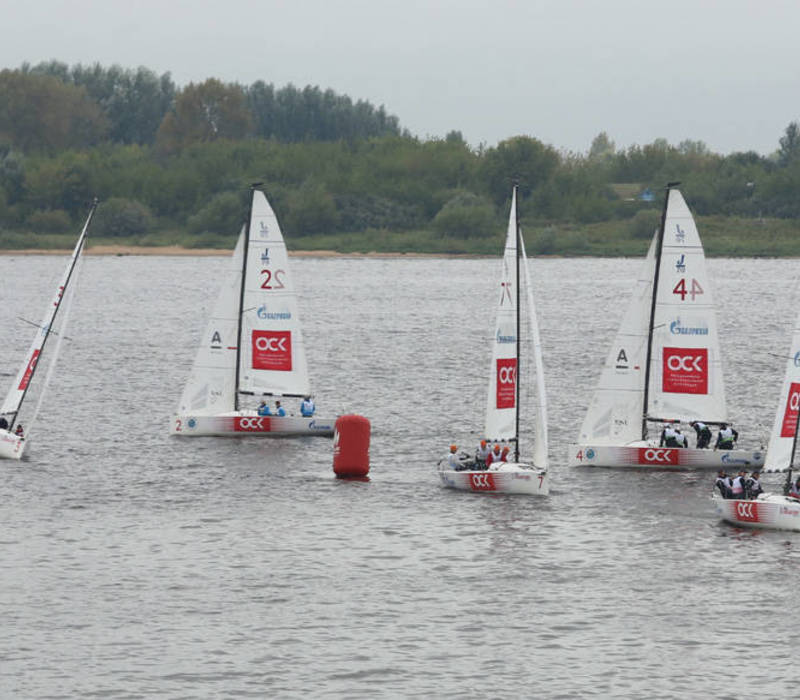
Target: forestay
781,442
501,402
615,413
211,385
685,366
272,357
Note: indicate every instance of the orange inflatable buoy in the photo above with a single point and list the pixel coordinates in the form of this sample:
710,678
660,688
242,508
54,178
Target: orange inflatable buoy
351,446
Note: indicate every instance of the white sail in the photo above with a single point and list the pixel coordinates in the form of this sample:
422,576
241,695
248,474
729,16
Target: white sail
19,387
615,413
540,425
272,357
685,366
779,451
501,403
211,386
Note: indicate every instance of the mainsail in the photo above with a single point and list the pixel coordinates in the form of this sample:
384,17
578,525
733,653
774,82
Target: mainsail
782,441
685,365
501,402
272,357
22,381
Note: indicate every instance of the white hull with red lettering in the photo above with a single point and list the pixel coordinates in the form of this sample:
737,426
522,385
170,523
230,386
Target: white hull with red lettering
651,456
248,423
11,446
769,510
505,477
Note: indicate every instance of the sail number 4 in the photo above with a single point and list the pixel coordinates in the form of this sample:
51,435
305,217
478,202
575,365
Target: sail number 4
693,291
272,281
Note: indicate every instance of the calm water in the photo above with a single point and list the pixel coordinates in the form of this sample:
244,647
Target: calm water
134,564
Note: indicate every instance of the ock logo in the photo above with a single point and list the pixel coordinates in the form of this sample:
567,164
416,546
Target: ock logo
747,512
685,370
250,425
654,455
481,482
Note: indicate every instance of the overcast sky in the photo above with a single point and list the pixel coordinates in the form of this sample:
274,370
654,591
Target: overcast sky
722,71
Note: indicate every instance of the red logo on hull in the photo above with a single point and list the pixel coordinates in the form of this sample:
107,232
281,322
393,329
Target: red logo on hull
482,482
685,371
659,455
746,511
251,424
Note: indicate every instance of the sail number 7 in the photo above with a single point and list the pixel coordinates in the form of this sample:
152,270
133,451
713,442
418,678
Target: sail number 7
693,291
272,281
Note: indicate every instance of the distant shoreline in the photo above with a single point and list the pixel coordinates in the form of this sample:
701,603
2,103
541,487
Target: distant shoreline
174,250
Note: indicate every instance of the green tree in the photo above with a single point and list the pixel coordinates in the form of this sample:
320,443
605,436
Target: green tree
205,112
466,215
524,159
789,144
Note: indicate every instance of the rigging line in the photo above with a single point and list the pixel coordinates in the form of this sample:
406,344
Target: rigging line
40,327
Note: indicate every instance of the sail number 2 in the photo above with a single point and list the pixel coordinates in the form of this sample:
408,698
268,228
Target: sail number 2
693,291
272,281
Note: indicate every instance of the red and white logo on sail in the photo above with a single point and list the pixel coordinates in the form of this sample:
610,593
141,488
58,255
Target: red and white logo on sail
790,414
685,370
272,350
28,371
506,382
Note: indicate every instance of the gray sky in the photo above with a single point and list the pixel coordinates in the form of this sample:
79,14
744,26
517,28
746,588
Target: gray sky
722,71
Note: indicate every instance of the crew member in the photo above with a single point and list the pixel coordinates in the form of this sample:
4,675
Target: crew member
263,409
703,434
494,455
669,438
19,432
453,460
504,454
279,410
794,488
723,483
3,423
680,438
481,455
726,437
307,407
737,485
753,485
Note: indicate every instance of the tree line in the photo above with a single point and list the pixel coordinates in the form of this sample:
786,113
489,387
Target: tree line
172,165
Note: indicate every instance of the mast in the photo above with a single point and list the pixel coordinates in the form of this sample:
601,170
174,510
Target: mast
75,255
241,295
519,335
659,246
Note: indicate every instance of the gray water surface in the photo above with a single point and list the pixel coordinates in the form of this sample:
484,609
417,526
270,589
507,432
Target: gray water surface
134,564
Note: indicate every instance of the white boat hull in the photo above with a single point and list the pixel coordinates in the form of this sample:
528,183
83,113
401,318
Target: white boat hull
11,446
506,477
650,456
245,423
767,511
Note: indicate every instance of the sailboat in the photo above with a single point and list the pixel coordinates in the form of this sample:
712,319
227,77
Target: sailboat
664,367
253,344
12,439
505,372
772,510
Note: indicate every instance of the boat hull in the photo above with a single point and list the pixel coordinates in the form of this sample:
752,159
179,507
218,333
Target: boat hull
243,424
503,478
650,456
11,446
768,511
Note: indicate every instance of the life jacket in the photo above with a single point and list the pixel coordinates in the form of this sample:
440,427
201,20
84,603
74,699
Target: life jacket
737,486
307,408
482,453
493,457
726,436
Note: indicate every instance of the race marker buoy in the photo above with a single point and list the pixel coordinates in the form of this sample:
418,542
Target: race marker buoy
351,446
